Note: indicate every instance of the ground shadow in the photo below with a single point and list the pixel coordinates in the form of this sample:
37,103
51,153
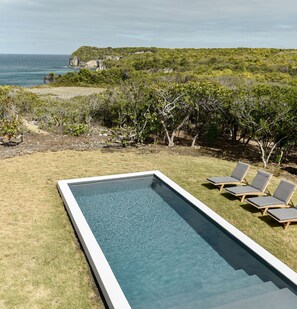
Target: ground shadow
209,186
249,208
230,197
268,220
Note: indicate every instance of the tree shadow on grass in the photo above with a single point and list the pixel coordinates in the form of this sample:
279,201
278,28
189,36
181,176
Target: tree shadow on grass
290,169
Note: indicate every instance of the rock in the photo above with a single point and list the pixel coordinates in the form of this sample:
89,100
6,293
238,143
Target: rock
167,70
49,78
113,58
74,61
101,65
93,64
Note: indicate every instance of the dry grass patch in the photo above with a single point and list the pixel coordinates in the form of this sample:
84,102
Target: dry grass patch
65,92
41,263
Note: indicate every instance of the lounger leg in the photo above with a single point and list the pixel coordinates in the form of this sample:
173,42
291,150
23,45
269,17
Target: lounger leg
287,225
221,187
264,212
242,198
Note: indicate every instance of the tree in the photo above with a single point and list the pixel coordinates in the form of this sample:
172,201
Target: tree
171,108
205,101
267,116
135,110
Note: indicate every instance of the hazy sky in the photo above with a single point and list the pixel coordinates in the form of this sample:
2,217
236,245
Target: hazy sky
61,26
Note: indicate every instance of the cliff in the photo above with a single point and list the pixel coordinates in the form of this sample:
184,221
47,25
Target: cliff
96,58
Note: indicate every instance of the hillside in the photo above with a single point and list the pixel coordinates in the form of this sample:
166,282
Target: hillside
227,66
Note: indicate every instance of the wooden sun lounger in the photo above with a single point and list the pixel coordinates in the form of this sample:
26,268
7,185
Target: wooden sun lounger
257,187
280,198
284,216
237,176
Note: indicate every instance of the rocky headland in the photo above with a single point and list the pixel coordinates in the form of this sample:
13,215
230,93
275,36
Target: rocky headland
95,64
95,58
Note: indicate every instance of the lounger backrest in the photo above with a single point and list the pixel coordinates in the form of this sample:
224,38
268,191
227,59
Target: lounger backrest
261,180
240,171
284,191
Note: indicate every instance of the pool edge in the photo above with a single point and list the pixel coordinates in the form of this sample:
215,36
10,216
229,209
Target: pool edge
110,287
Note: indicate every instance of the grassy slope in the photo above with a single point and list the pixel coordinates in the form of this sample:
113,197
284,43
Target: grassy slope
41,264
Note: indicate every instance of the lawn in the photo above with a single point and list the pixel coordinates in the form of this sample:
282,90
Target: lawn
41,262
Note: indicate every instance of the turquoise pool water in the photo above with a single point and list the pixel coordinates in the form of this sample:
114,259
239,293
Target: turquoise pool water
166,254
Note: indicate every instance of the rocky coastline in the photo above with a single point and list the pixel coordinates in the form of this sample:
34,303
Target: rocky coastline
96,64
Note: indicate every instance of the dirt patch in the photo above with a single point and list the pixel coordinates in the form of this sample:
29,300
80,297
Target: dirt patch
65,92
35,142
50,142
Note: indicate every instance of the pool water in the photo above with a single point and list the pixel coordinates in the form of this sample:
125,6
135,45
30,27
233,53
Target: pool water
166,254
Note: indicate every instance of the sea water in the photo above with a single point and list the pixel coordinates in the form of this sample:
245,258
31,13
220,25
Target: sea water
29,70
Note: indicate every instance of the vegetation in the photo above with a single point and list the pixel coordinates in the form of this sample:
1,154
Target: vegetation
238,95
42,264
242,94
138,112
205,111
14,103
228,66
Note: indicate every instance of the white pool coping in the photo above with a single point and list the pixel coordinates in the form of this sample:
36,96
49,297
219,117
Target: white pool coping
110,287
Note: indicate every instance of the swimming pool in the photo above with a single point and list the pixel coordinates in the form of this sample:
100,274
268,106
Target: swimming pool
153,245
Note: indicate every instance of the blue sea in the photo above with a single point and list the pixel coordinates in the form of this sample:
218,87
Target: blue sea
29,70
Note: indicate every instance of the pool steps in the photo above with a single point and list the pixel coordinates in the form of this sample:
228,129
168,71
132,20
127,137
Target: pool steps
238,291
282,298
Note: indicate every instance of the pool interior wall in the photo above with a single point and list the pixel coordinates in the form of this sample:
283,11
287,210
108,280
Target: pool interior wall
165,253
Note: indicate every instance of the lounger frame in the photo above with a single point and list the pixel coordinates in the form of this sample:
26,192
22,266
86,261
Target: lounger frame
286,223
265,208
264,191
239,181
283,204
243,195
244,181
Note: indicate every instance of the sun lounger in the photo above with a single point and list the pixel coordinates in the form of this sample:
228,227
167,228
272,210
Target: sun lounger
280,198
237,176
284,215
257,187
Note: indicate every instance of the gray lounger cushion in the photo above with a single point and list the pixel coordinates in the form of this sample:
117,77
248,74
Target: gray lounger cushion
237,175
222,179
240,171
284,191
242,190
260,180
284,213
263,201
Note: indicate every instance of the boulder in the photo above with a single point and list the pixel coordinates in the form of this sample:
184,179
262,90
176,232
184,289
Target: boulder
101,66
49,78
74,61
93,64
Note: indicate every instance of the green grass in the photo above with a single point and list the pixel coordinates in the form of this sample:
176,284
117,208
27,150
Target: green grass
41,262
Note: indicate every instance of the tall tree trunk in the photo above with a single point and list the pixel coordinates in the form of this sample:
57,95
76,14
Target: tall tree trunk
173,134
194,140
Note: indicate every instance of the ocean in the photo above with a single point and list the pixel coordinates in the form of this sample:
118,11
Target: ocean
29,70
